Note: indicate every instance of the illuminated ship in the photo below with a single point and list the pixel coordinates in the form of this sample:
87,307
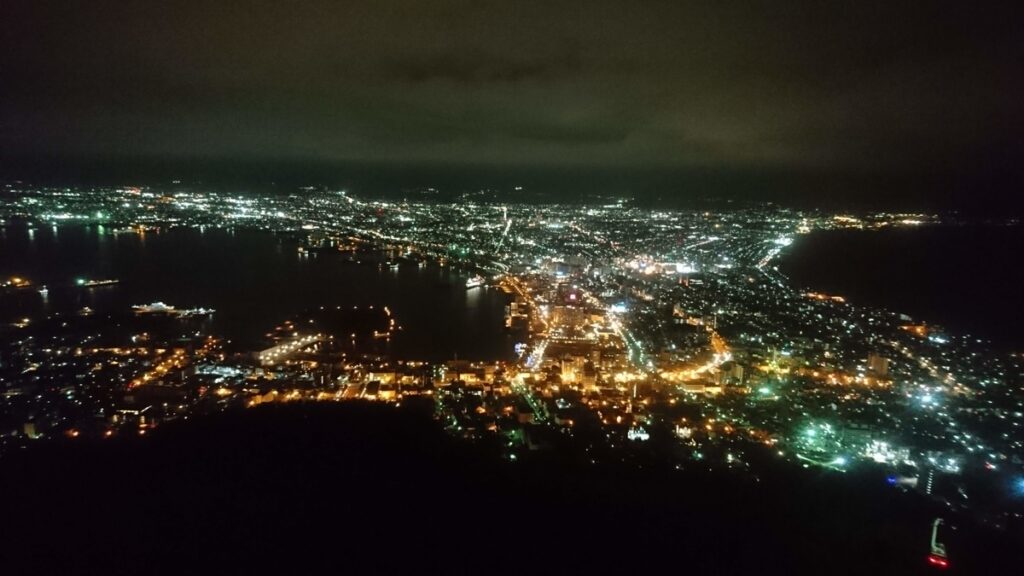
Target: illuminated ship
154,308
161,308
474,282
93,283
44,291
16,282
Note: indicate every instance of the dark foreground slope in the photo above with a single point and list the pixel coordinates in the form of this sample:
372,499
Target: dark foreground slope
355,489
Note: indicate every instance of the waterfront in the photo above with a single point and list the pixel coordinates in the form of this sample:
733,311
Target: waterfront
640,329
253,279
964,278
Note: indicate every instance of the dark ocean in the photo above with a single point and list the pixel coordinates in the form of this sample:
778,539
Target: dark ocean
969,279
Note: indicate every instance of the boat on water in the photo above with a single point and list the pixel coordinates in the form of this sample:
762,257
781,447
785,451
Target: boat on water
16,282
167,309
87,283
44,291
154,308
474,282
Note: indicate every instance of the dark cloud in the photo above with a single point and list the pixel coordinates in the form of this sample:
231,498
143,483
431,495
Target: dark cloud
476,69
866,87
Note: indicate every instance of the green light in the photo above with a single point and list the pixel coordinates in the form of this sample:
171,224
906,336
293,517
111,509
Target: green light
764,390
80,281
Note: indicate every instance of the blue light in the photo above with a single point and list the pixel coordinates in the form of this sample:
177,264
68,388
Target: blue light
891,480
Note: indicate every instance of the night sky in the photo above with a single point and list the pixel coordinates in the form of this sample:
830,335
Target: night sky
919,100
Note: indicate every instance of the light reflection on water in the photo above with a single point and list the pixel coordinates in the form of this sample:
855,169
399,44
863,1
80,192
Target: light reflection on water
253,279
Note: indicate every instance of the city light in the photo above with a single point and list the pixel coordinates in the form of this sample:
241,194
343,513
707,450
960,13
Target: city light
608,332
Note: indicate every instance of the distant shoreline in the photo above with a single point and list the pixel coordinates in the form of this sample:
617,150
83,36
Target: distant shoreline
961,277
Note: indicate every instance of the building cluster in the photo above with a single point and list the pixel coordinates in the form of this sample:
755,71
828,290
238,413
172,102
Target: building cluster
643,328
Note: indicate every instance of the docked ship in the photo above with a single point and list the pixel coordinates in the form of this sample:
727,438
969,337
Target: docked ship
474,282
86,283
